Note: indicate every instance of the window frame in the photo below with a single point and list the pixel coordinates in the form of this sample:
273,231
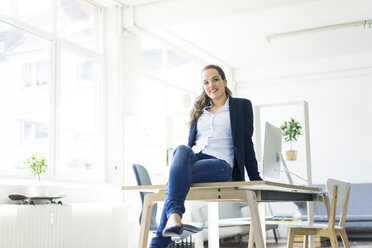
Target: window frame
56,44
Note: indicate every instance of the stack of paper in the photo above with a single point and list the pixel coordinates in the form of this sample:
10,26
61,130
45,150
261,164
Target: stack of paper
286,215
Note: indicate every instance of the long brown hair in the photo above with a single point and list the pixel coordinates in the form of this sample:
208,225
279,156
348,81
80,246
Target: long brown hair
203,99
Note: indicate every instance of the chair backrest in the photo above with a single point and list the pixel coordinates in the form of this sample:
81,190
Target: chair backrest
143,178
343,189
340,192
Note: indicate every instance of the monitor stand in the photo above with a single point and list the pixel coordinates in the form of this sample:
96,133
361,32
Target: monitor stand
287,172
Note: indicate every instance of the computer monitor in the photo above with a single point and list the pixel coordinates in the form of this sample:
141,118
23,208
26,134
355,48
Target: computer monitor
272,157
272,151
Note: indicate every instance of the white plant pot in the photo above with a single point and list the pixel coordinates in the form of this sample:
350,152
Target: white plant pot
42,190
38,190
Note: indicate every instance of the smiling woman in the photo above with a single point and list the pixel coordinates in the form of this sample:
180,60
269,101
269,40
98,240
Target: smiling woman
219,147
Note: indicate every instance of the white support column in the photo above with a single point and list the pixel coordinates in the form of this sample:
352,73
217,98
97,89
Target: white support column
310,205
213,227
198,240
129,95
129,92
112,97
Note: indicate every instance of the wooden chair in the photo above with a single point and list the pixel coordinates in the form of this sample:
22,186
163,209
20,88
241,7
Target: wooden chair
340,196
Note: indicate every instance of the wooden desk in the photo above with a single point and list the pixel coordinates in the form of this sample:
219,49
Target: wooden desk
251,192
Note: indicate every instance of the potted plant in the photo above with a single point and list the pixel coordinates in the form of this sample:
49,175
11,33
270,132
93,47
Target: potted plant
36,165
291,130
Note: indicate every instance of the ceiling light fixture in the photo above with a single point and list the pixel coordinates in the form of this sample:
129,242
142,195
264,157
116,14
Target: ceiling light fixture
365,24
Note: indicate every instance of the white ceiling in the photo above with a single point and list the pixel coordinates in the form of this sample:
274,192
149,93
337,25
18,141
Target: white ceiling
138,2
235,31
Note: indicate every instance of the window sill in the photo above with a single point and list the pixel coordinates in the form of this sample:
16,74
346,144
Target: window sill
75,192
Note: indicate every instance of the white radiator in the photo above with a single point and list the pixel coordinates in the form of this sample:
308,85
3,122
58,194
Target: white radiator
68,226
99,226
40,226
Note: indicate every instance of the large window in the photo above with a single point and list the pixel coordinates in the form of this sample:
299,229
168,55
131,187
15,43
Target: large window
24,95
37,12
78,119
169,83
51,68
79,21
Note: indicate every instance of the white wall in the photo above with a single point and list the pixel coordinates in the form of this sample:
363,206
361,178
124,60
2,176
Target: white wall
339,94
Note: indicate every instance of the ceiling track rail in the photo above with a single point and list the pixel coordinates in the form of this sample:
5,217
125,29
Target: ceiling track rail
365,24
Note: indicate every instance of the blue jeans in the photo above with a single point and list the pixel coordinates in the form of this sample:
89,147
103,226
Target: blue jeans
187,168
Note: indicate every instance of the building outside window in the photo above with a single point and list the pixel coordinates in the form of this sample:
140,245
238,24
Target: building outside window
33,132
35,74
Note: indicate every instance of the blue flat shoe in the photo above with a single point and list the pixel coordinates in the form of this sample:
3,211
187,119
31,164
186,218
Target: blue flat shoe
173,231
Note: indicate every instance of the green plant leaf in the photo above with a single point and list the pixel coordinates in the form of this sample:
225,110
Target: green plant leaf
35,165
291,130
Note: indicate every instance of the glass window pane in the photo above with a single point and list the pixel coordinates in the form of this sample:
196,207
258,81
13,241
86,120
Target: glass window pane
152,58
153,98
198,85
24,106
27,131
78,131
175,60
146,144
80,22
36,12
27,75
41,131
181,101
181,71
42,73
149,136
180,129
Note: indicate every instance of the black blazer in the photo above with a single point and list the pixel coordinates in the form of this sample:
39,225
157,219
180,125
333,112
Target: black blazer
241,118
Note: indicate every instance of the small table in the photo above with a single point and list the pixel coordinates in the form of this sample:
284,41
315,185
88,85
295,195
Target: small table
251,192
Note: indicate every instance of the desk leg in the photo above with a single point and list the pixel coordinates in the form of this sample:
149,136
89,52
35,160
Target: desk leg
262,214
255,220
145,221
251,239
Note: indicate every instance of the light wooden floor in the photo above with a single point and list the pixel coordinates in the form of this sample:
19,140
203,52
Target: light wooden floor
283,244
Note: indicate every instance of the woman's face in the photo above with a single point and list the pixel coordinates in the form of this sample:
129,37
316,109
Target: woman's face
213,84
